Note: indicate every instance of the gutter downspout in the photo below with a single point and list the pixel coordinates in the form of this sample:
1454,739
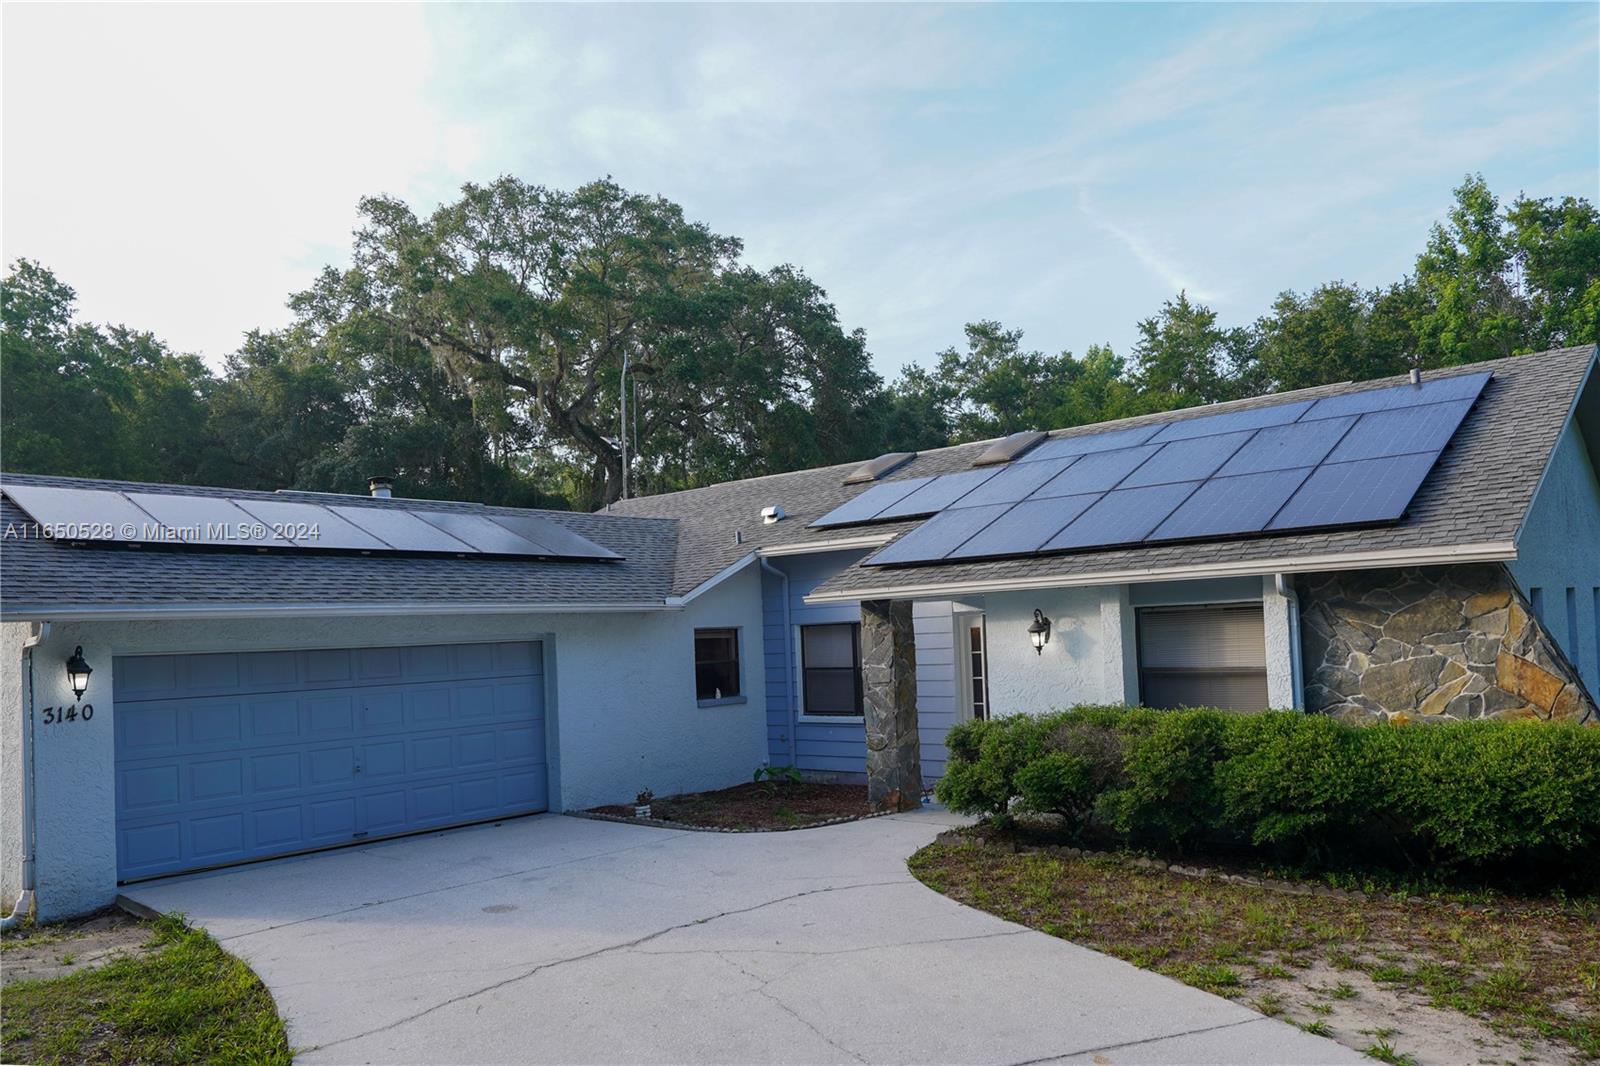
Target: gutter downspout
788,655
24,903
1285,588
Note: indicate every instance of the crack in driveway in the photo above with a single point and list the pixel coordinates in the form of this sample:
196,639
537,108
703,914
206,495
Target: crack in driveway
1135,1043
596,953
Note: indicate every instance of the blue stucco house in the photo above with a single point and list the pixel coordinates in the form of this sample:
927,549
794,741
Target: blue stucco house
320,670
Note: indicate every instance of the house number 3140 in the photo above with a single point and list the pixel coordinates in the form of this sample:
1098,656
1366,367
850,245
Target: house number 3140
57,715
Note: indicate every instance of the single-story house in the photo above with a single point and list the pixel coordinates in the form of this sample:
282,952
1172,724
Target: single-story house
195,677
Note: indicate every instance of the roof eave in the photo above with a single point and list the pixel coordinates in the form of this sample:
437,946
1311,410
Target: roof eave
1492,551
29,612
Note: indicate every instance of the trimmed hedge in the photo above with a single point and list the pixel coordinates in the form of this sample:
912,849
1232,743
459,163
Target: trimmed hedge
1450,794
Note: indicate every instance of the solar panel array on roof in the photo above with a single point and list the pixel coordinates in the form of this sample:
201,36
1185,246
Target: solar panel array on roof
101,516
1345,460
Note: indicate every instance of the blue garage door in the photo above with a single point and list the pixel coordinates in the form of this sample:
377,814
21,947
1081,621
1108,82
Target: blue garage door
225,758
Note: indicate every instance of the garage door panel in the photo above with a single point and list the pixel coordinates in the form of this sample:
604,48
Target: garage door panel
355,745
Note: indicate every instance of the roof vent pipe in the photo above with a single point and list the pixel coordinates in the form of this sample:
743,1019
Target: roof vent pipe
1416,377
381,487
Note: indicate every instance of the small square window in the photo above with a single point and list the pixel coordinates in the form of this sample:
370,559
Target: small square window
716,663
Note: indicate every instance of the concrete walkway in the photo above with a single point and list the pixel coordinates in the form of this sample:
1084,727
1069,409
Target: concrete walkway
553,939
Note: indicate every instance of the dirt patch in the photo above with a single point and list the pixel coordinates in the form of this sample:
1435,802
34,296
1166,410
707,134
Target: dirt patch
1409,980
756,806
1362,1013
35,953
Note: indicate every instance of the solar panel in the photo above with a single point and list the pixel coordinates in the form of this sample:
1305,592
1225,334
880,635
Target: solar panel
1233,421
1014,483
1024,528
1343,494
209,520
1125,516
1096,472
1224,505
482,534
562,541
1288,447
936,495
939,535
1433,390
865,507
402,530
1344,460
1186,460
1402,431
1062,447
298,520
80,514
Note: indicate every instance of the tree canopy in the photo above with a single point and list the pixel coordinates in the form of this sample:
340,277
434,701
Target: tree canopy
479,353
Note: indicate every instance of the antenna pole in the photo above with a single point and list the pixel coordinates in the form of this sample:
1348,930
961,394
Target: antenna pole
622,390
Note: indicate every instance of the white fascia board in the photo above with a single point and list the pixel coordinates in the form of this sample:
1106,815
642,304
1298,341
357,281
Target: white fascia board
67,613
1495,551
819,547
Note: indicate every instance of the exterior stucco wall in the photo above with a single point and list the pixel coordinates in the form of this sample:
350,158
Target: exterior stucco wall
12,680
1558,553
620,686
1070,668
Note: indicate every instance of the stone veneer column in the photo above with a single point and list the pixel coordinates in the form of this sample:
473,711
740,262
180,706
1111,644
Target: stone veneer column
889,690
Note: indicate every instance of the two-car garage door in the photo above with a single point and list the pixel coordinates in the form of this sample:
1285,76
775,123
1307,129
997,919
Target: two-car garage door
223,758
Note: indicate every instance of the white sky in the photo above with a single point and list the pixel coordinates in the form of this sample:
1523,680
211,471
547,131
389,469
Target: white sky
1063,169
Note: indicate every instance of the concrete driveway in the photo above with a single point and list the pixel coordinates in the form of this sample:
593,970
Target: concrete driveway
554,939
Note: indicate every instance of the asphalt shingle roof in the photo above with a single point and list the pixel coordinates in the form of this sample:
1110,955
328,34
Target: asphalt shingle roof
1477,493
37,576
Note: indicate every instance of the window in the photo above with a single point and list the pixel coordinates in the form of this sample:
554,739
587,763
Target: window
1211,656
830,670
716,663
978,673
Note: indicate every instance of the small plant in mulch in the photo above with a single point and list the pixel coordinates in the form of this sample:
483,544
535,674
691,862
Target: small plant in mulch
767,804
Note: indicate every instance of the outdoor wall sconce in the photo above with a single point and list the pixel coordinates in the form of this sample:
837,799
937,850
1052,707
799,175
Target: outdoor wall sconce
78,672
1039,632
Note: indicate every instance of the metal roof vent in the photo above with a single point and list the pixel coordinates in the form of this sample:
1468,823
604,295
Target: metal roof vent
874,469
772,514
1008,448
381,487
1416,377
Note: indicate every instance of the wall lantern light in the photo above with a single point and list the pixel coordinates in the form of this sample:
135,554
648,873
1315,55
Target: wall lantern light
1039,632
78,672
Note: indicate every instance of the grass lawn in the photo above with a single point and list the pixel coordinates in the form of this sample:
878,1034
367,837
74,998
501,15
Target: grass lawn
758,805
1524,975
181,1000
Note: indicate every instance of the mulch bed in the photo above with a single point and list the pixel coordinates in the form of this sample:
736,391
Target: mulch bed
756,806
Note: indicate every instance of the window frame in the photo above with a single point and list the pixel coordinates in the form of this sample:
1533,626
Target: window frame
733,633
801,713
1223,605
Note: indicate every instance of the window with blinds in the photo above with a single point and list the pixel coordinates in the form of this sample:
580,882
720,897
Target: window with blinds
1207,656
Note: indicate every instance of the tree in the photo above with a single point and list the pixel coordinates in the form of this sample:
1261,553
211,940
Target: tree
1556,245
82,400
534,300
1476,308
1337,332
1183,357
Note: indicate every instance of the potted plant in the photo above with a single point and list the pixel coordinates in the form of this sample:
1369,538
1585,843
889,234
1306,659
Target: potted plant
641,804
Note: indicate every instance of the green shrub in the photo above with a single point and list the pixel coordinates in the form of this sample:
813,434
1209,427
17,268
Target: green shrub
1451,794
1170,791
1290,779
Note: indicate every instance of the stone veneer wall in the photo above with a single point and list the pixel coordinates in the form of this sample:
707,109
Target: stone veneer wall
1430,643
